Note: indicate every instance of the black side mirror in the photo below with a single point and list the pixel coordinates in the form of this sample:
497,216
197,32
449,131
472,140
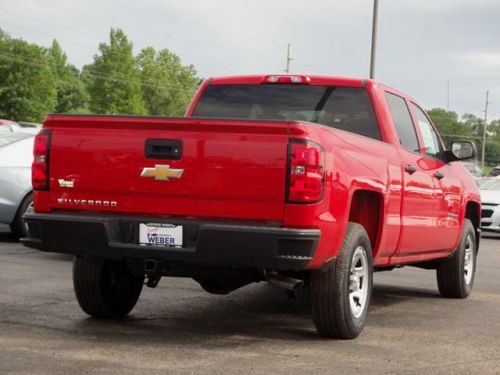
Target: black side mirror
459,150
463,150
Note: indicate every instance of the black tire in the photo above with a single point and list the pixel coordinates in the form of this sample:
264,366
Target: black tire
105,288
330,289
454,281
18,227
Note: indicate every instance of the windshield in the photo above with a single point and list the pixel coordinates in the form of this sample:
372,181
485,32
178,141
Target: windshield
8,138
345,108
495,172
491,185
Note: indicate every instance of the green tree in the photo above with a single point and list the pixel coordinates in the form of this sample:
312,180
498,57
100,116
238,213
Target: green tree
27,88
469,127
72,96
113,78
167,85
449,125
493,143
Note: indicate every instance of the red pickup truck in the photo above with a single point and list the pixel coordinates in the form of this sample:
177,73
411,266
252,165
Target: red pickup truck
296,180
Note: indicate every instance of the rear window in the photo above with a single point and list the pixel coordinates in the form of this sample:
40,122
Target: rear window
8,138
345,108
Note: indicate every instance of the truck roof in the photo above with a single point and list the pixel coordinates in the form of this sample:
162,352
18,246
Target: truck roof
312,79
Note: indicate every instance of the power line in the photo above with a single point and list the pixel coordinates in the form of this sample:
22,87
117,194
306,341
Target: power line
78,41
96,75
45,23
133,26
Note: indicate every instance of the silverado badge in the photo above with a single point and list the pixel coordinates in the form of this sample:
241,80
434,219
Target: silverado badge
162,172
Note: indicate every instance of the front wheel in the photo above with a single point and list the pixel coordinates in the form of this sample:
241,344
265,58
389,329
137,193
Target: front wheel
455,276
341,295
105,288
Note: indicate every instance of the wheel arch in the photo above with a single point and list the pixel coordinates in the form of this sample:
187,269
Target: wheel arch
473,213
21,199
364,203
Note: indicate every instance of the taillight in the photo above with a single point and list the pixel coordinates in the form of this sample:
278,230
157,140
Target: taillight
306,170
40,166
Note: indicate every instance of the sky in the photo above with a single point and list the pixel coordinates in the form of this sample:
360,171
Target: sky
422,45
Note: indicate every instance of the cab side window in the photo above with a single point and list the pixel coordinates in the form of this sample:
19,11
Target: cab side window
403,122
429,136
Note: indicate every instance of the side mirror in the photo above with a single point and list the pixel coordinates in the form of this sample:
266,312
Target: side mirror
463,150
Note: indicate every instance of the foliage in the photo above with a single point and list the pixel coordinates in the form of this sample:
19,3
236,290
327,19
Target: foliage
72,96
469,127
167,85
113,78
27,85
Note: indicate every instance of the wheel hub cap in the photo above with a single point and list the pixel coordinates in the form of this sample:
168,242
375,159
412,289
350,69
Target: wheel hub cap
358,285
468,260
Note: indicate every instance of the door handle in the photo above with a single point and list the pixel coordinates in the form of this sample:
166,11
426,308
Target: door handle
438,175
410,169
167,149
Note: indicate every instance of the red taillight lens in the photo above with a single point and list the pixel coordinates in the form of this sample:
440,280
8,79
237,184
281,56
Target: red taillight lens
306,169
40,166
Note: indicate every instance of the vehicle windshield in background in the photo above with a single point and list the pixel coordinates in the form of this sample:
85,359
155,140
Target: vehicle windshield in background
491,185
8,138
494,172
345,108
474,169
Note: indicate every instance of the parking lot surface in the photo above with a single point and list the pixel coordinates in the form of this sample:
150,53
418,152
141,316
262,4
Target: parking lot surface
178,328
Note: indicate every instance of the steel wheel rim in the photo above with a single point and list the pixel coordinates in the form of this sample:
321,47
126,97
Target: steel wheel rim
468,259
358,282
29,209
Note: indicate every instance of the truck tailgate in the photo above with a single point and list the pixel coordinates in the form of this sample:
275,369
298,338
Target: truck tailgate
228,168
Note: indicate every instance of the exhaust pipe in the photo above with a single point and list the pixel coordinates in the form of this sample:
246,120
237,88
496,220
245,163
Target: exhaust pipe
284,282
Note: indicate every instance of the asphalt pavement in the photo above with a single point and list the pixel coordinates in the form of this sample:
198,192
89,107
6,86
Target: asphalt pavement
180,329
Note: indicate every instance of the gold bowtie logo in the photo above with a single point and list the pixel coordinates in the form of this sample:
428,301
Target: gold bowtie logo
162,172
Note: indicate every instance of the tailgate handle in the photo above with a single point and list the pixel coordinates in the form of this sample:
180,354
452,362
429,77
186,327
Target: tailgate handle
168,149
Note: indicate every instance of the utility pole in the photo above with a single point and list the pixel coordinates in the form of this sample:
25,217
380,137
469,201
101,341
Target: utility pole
484,129
374,39
288,59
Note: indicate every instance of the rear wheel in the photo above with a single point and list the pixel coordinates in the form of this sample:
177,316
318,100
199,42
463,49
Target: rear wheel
455,276
341,295
19,227
105,288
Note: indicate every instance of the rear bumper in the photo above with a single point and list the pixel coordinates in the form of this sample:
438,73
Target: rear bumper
206,243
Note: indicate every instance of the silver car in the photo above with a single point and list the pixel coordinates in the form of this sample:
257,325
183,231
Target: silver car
490,197
16,198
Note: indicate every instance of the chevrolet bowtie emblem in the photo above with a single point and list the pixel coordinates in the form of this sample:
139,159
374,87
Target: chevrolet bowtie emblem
162,172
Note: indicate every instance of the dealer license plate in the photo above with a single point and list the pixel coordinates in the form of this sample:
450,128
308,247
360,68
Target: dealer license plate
160,234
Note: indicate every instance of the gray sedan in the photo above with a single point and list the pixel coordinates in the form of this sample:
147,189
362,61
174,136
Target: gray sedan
16,198
490,197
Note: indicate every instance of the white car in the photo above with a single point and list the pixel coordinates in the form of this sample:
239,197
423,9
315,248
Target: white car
490,197
16,156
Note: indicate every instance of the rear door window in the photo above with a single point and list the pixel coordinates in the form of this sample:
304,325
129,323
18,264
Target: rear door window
403,122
